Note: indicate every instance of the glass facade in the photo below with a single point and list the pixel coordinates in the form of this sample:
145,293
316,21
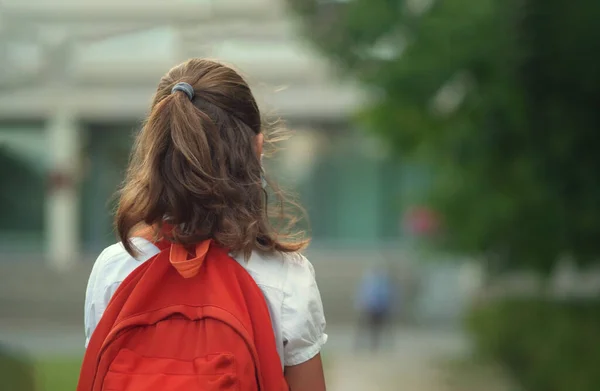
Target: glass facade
23,162
107,149
354,195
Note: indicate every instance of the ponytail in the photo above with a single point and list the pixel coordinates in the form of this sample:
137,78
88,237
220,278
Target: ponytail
194,165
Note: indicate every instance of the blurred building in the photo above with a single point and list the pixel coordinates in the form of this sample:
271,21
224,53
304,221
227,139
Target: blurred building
76,78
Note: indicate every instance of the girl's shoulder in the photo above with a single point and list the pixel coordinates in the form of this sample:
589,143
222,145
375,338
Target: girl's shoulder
278,270
114,264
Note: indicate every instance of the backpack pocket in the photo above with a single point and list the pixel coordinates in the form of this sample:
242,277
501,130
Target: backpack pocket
130,371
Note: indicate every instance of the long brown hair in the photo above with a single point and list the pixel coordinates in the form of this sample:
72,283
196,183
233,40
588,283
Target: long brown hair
195,166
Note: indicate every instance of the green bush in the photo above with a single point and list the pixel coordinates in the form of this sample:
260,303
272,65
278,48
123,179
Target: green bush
57,373
16,373
544,345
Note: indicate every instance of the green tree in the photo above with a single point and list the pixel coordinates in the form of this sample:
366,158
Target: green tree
499,98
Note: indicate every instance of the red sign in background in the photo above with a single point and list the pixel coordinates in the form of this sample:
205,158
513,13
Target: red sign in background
421,221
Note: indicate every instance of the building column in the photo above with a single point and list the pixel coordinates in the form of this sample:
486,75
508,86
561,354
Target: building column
62,200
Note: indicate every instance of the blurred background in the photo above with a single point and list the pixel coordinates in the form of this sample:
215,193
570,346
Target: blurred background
445,151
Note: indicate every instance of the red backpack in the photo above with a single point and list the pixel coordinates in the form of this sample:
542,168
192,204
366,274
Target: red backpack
180,324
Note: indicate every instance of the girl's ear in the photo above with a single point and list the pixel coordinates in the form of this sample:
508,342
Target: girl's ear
260,139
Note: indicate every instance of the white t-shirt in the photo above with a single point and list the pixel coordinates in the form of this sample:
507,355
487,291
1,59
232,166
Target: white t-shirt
286,280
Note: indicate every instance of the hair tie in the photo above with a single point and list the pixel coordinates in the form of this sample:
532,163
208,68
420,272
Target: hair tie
185,88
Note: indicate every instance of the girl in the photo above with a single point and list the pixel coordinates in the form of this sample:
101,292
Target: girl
196,166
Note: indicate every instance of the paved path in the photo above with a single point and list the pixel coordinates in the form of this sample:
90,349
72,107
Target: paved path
411,362
382,373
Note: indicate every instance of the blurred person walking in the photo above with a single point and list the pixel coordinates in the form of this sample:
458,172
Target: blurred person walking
374,303
201,292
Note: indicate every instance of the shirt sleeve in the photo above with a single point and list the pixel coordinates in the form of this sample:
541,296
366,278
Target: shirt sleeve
91,310
303,319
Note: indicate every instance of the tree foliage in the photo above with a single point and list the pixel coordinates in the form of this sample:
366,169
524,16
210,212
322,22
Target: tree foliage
499,97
